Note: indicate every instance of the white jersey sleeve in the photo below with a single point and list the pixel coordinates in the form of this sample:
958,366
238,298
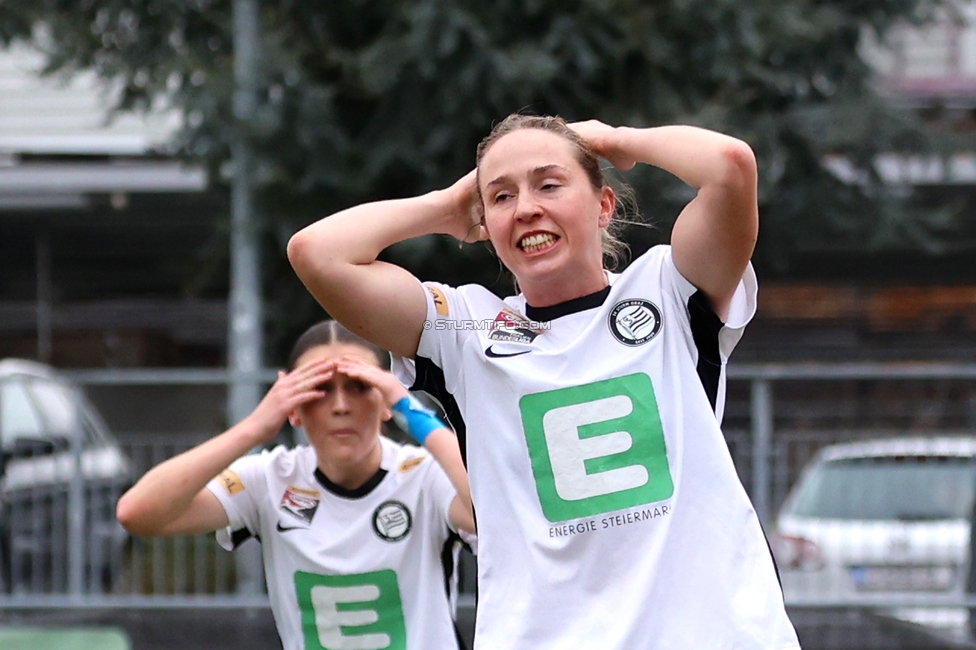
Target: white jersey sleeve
446,327
241,489
741,309
715,340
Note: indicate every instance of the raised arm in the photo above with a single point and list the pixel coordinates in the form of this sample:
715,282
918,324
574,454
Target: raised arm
172,498
433,434
335,258
715,234
443,446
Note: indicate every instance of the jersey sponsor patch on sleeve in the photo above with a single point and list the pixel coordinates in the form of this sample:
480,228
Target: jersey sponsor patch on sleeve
231,481
440,300
410,463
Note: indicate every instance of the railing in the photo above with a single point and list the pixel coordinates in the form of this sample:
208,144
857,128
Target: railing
873,395
777,417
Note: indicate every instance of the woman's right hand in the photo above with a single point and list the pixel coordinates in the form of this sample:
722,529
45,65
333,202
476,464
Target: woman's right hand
172,498
466,218
290,390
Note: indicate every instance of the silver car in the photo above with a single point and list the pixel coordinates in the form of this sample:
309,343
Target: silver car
885,521
61,472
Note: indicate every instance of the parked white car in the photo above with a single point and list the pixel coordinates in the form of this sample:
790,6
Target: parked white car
50,438
884,521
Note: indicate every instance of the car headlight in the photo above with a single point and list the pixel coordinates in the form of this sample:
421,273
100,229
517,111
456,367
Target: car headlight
798,553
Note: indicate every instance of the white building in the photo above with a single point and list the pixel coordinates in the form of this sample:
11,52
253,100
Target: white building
94,208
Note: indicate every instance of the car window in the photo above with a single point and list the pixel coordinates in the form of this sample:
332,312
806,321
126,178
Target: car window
18,417
906,488
58,405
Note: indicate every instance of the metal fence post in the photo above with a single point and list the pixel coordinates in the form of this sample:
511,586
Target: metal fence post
761,417
44,296
77,510
245,335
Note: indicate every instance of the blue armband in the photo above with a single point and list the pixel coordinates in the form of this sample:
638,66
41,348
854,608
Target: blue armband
415,418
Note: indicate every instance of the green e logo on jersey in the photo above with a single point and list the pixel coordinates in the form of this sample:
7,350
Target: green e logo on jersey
596,448
351,612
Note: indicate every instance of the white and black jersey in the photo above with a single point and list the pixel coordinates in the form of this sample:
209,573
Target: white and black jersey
364,569
610,515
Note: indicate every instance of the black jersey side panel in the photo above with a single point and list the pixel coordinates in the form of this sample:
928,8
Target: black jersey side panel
705,326
430,379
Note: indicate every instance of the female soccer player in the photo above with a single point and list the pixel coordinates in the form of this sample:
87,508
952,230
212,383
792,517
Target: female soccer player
609,511
353,527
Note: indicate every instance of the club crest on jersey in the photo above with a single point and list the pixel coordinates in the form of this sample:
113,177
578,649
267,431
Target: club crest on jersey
512,327
392,521
300,503
635,321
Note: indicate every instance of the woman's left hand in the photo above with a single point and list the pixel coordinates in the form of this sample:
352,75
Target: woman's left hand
605,142
382,380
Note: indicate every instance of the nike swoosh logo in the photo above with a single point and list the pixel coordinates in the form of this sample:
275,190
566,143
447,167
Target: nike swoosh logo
501,355
282,529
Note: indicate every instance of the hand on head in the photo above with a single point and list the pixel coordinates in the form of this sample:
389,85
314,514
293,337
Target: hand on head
290,390
600,138
467,223
380,379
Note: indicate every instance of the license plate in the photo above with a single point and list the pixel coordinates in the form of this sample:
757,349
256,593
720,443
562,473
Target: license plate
902,578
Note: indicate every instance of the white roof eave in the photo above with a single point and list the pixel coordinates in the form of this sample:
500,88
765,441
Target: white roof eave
101,177
73,115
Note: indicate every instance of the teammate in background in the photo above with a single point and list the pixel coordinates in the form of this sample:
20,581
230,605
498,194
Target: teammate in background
353,527
610,515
